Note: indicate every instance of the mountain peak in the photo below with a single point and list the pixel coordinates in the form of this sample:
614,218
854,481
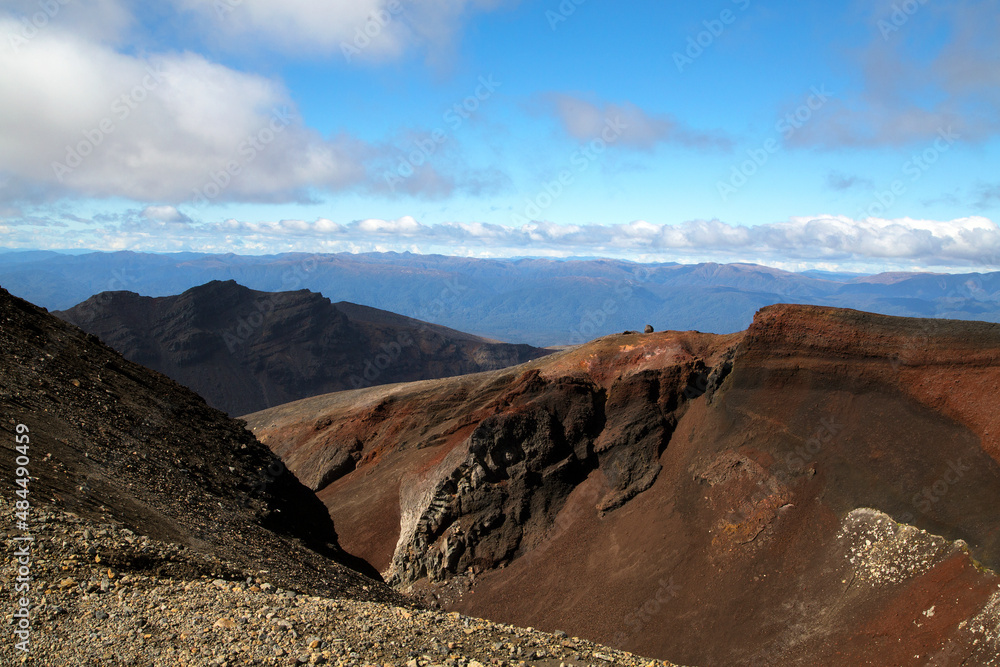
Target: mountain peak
245,350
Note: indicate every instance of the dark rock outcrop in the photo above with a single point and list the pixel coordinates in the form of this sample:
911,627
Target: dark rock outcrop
508,447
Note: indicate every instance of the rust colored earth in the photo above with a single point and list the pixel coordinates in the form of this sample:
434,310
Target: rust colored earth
822,488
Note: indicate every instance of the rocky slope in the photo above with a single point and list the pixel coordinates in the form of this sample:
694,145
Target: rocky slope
820,489
93,606
162,533
245,350
111,440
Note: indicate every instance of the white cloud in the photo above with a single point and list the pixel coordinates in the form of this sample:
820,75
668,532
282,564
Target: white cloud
404,226
820,241
310,26
325,226
164,214
79,118
972,240
82,119
295,225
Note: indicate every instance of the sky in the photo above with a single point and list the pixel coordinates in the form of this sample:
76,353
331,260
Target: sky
846,136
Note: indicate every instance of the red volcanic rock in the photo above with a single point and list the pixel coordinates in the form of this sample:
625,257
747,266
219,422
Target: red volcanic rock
820,489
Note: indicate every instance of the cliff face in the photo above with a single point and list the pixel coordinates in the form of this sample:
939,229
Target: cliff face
245,350
473,470
819,489
115,442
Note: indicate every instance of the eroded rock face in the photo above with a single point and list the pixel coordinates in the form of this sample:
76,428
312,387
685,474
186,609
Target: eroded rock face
519,465
501,452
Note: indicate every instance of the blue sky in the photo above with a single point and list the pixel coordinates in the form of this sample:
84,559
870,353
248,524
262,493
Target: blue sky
856,135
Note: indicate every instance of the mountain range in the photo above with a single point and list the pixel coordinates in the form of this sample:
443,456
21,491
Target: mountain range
541,302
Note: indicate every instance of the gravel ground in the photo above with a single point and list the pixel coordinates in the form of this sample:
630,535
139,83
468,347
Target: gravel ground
103,595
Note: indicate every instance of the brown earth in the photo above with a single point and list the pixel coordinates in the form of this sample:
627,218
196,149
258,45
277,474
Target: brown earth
245,350
820,489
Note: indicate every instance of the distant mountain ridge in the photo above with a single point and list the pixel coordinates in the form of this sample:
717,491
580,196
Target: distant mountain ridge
245,350
537,301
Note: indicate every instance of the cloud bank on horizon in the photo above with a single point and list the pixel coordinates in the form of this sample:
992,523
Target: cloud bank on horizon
862,134
831,242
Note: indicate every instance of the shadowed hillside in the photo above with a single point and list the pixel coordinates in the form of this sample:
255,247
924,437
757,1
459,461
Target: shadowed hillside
111,440
245,350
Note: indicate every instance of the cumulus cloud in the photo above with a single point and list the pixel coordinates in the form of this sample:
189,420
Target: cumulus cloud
627,125
325,226
164,214
80,118
815,240
404,226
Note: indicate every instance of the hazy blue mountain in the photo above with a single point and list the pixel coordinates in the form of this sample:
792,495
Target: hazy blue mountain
536,301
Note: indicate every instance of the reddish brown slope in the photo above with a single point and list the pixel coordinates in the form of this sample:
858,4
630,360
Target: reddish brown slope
357,447
599,492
